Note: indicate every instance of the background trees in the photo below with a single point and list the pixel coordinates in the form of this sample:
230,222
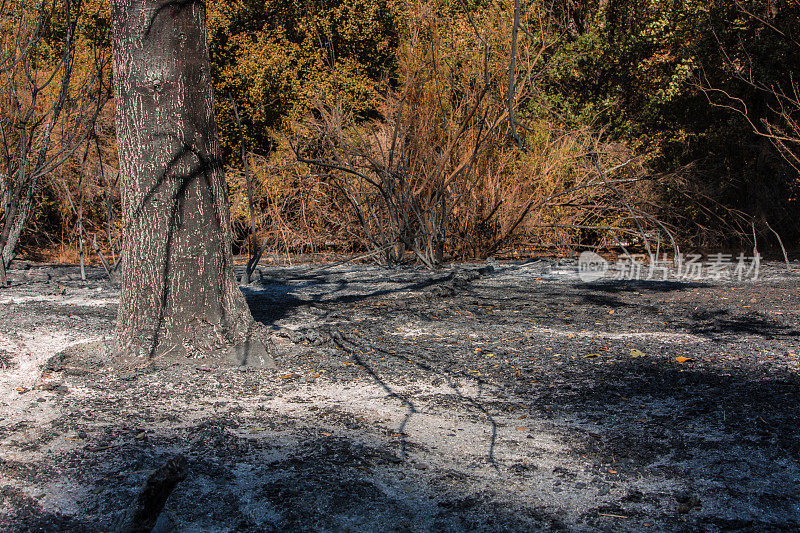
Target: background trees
681,94
644,70
53,85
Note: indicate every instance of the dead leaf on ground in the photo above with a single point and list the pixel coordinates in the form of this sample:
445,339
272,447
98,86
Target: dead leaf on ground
682,359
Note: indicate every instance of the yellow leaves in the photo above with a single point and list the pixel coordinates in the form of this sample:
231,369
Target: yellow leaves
682,359
637,353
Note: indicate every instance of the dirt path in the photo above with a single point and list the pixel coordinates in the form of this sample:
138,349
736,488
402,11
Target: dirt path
513,398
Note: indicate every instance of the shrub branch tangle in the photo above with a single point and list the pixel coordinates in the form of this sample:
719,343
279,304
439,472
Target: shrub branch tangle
459,166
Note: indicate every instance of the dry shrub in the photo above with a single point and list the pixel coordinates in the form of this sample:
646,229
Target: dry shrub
292,209
404,176
445,172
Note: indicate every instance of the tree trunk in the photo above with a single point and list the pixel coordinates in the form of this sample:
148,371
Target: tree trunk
16,216
3,279
179,293
16,206
255,252
80,210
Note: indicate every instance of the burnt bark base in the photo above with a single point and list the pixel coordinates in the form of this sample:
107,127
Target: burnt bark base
92,357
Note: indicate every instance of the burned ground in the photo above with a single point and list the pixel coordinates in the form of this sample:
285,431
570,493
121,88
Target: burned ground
505,398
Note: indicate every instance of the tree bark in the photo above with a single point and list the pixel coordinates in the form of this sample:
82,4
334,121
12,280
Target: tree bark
179,293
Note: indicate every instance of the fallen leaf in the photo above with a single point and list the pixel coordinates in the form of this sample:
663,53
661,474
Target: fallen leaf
610,311
612,471
682,359
637,353
591,355
522,428
141,435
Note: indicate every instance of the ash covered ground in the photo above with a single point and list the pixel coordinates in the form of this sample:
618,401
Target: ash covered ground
511,398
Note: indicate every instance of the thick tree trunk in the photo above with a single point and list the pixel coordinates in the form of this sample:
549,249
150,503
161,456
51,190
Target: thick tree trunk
179,293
